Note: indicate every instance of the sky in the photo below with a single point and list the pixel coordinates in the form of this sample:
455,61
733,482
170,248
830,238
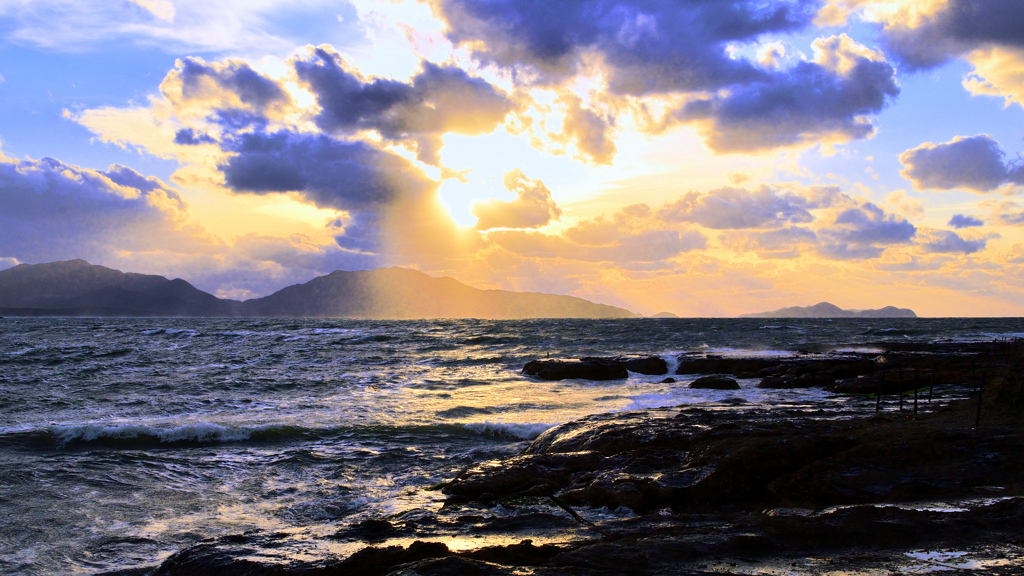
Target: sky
705,158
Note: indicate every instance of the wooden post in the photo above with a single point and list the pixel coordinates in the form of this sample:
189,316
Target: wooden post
931,383
900,384
915,389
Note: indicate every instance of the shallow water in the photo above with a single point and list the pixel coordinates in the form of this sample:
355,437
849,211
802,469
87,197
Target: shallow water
123,440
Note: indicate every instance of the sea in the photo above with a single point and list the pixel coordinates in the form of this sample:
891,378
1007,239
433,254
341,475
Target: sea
124,440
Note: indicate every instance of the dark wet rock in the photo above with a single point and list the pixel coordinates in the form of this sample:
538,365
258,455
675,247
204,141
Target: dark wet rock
739,480
516,524
623,557
612,490
249,554
850,369
719,365
522,554
715,383
452,566
650,365
610,434
697,459
373,561
526,475
668,381
582,369
593,368
889,382
372,530
773,382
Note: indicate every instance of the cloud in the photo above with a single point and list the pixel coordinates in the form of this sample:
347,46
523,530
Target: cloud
328,173
955,28
729,208
862,231
189,137
645,47
828,99
117,217
436,101
786,242
1006,213
532,208
632,235
230,93
162,9
51,211
975,163
997,71
959,221
392,208
587,129
649,49
947,242
644,246
923,34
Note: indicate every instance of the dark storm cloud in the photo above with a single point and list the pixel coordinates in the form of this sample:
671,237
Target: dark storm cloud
648,47
730,208
946,242
234,76
958,27
327,172
51,211
796,106
863,232
188,137
685,47
438,100
959,221
976,163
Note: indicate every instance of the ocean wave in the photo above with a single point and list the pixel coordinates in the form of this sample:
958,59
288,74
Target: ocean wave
463,411
906,332
188,433
136,435
176,332
517,430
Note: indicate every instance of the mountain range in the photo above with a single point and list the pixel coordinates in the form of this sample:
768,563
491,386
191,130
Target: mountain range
78,288
827,310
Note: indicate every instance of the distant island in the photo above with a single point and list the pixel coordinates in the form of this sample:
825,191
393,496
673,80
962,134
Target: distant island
78,288
827,310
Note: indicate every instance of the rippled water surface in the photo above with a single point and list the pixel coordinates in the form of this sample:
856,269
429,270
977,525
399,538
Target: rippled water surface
123,440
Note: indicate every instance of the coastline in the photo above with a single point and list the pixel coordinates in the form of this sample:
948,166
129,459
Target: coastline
714,488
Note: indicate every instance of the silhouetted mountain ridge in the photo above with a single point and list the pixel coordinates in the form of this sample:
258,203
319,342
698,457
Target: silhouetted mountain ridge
828,310
77,288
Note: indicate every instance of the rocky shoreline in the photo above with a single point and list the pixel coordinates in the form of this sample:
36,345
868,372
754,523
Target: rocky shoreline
723,487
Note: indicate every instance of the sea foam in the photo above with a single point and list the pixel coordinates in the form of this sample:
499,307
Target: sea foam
203,432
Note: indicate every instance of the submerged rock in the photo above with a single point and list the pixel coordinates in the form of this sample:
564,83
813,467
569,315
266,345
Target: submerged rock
566,369
715,383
